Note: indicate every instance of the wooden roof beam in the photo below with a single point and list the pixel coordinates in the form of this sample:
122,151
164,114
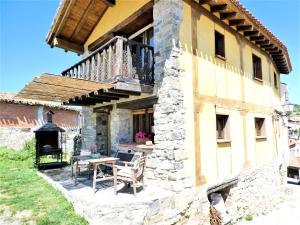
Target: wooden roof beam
256,38
217,8
82,19
260,42
227,15
201,2
243,27
109,3
59,42
118,91
251,33
102,93
235,22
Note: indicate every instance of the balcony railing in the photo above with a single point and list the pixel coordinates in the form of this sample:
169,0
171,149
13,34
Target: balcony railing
119,59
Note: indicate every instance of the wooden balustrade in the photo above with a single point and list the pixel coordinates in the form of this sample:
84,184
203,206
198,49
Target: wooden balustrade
119,59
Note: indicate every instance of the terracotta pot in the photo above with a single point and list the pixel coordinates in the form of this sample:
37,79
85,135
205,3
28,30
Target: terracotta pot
141,140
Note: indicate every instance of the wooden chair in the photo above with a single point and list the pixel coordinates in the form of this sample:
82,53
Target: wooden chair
132,172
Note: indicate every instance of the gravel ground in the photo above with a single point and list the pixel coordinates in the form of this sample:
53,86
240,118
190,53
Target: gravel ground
287,213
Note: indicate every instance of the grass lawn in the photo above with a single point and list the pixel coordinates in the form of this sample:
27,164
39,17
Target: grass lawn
22,189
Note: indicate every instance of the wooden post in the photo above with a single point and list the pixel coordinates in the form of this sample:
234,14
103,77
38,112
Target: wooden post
98,68
129,61
93,69
109,63
104,66
119,58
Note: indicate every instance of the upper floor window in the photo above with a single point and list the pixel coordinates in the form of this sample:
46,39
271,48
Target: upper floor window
222,125
260,127
257,71
275,81
219,44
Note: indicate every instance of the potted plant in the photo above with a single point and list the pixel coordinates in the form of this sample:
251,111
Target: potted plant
141,137
93,151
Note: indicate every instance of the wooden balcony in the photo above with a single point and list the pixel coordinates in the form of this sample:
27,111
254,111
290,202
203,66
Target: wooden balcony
118,61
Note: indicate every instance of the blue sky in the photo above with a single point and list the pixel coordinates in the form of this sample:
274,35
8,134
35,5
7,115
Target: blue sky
25,54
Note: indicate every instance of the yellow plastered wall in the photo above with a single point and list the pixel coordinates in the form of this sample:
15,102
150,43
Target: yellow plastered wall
231,80
114,16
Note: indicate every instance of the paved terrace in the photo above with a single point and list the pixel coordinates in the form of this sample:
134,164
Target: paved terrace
103,207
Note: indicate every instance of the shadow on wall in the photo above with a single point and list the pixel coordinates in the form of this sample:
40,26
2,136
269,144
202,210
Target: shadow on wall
18,122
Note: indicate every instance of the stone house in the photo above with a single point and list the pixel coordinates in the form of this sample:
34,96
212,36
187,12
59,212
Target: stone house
19,117
200,77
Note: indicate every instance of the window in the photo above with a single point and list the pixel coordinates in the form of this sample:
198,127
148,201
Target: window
219,44
143,121
257,72
222,126
275,81
260,127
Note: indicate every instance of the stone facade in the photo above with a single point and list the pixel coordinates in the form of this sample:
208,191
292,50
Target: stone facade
88,127
121,127
258,191
16,137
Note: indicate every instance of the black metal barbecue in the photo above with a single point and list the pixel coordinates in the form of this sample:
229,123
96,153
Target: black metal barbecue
49,141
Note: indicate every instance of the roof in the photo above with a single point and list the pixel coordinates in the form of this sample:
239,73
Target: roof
11,98
59,88
74,21
237,17
70,30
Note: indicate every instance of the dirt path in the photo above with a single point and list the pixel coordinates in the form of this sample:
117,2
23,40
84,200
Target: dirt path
287,213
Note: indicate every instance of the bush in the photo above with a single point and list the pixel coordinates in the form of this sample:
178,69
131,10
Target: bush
25,153
249,217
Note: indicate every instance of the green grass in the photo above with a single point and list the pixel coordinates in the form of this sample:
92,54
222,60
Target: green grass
22,189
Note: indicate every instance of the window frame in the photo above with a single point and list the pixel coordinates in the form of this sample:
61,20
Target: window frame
260,127
275,78
257,67
225,128
222,53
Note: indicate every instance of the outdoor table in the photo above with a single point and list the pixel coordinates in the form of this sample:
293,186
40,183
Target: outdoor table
95,163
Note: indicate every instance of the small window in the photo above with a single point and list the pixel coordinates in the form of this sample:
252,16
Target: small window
257,71
260,127
219,44
275,81
222,126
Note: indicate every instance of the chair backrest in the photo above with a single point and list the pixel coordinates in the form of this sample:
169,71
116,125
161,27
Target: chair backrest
140,166
124,156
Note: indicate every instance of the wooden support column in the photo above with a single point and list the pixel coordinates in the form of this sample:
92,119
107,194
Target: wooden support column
197,148
119,57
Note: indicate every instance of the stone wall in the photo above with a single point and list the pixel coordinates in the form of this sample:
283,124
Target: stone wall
16,137
88,127
120,127
258,191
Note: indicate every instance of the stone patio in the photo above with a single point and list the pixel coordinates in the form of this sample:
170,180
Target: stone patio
103,207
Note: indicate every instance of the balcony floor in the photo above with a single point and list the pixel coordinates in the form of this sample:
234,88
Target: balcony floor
103,207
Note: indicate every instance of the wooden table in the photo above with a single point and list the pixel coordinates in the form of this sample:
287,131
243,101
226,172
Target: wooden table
95,163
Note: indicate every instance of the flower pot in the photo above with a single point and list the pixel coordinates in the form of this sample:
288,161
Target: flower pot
141,140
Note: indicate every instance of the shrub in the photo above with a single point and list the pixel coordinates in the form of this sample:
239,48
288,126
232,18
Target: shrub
249,217
25,153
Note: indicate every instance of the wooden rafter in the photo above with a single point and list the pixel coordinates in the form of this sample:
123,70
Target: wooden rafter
227,15
59,42
83,19
218,8
251,33
260,42
243,27
235,22
254,38
201,2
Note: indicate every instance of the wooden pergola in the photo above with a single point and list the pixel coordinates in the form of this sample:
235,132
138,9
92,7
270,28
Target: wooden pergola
71,91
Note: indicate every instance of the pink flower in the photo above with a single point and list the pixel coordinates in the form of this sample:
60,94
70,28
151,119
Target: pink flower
141,134
93,148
